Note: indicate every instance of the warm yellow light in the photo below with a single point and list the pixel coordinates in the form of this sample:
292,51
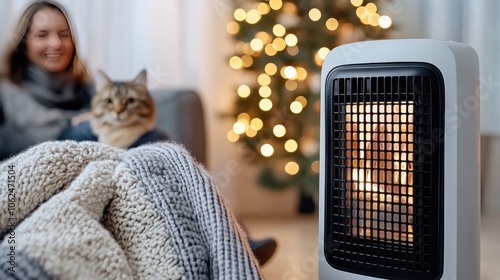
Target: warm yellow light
239,127
232,136
315,166
371,8
265,91
279,44
246,49
251,132
291,146
374,19
293,51
256,45
270,50
332,24
264,80
244,117
291,40
247,60
239,14
361,12
265,37
296,107
244,91
263,8
289,72
385,22
366,20
289,8
235,62
256,124
356,3
270,69
279,130
301,73
292,168
253,16
279,30
233,27
323,52
318,60
267,150
265,104
291,85
275,4
314,14
302,100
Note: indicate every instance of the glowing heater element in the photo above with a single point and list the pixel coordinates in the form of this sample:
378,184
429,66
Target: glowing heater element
379,166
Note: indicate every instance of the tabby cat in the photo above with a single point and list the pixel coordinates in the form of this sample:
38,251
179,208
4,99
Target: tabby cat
123,111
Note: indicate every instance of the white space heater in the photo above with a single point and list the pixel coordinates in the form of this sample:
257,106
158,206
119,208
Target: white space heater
399,184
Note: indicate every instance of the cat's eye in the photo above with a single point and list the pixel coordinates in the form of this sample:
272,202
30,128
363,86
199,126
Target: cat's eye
130,100
108,100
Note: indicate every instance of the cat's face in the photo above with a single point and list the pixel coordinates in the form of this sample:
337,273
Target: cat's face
124,103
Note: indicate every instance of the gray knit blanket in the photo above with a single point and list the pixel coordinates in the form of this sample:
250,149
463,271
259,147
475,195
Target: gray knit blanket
89,211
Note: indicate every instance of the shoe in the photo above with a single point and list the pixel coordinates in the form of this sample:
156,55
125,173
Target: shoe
263,249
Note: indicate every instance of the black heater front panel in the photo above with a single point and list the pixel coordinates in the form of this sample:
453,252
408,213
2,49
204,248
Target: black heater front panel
384,170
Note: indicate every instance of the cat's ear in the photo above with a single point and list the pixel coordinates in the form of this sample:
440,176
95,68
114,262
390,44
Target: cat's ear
102,78
142,78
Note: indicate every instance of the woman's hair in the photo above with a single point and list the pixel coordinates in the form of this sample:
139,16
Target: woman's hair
17,62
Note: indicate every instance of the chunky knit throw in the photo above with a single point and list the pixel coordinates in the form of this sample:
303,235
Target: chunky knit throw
89,211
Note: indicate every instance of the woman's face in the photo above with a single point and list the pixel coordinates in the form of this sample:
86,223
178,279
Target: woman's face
49,42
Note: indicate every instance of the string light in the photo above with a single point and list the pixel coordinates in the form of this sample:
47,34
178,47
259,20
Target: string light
291,85
296,107
235,62
265,91
267,150
265,104
253,16
332,24
385,22
279,30
279,130
291,146
275,4
289,72
291,40
256,124
292,168
233,27
263,8
279,44
314,14
270,50
244,91
356,3
232,136
315,166
239,14
256,44
239,127
264,80
302,100
270,69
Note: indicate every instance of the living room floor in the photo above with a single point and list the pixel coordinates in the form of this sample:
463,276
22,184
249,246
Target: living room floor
297,253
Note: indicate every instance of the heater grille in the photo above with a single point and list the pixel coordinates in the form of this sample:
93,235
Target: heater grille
385,138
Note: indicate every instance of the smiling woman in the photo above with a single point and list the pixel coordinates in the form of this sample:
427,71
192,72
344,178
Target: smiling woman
44,83
49,43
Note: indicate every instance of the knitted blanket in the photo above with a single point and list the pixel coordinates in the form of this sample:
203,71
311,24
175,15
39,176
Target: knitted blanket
89,211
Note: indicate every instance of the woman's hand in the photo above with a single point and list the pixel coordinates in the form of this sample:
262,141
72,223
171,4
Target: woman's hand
81,118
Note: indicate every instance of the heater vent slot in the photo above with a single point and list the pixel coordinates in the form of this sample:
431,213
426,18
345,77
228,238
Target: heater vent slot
385,139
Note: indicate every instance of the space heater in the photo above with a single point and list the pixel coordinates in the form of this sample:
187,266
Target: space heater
399,182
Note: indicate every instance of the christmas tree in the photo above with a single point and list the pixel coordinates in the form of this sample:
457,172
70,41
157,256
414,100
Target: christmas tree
279,50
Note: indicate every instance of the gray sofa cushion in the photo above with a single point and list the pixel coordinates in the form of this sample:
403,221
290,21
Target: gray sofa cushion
180,115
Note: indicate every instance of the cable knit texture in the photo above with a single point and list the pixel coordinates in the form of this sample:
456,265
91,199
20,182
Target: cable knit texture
89,211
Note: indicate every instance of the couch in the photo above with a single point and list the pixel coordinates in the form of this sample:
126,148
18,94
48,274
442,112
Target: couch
180,114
